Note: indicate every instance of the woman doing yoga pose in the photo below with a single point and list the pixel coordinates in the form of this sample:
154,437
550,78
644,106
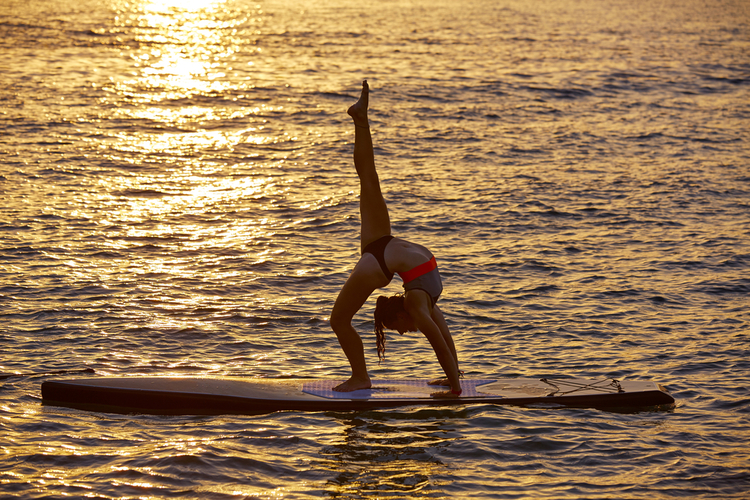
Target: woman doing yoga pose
382,255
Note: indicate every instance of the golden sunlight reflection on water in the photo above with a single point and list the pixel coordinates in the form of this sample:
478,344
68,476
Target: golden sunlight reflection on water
180,48
180,51
152,199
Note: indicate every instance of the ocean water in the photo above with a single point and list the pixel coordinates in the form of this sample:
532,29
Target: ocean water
177,196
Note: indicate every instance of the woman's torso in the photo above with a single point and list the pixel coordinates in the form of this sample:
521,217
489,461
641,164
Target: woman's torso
401,255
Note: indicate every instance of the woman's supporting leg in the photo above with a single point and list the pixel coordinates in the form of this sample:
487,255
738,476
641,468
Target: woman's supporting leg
372,207
365,278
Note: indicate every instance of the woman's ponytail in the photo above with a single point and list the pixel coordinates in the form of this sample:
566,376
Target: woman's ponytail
387,310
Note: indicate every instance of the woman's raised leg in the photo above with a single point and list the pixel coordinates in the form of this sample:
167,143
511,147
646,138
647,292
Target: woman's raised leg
373,210
367,275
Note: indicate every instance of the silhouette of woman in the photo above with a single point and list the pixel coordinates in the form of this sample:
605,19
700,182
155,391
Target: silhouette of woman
382,255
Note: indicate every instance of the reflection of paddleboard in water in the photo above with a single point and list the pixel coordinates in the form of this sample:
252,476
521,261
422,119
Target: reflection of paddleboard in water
215,396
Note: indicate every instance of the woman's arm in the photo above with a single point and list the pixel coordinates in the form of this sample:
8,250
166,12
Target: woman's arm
439,319
417,303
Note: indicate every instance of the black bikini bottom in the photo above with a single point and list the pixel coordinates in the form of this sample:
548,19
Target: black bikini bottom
377,249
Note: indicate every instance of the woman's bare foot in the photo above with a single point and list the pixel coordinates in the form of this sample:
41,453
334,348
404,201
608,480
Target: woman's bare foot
440,381
353,384
358,111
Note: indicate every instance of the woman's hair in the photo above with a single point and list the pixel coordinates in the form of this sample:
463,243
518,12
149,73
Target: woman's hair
387,310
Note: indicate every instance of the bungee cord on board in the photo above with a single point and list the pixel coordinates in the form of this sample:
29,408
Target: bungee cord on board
614,383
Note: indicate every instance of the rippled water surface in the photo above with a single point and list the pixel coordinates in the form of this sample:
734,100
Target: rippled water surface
177,196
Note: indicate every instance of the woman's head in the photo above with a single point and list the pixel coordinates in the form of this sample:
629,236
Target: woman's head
391,314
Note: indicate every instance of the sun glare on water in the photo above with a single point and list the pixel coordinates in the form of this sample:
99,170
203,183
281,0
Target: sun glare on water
156,5
176,84
184,91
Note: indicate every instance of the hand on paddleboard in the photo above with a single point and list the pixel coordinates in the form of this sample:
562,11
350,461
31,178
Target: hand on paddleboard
440,381
445,394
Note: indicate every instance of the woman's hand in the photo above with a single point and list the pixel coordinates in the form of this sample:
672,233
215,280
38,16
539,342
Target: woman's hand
441,381
445,394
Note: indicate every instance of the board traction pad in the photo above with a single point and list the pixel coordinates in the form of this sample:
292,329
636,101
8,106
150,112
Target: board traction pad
392,389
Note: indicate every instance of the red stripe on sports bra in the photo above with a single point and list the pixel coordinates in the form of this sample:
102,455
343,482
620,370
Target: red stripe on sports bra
418,271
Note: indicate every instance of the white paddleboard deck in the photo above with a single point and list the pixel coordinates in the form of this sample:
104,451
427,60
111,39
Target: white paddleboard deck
391,389
226,395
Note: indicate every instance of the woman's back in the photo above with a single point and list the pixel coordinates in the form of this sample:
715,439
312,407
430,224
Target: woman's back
402,255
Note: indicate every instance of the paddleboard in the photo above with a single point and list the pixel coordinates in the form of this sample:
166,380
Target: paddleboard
226,395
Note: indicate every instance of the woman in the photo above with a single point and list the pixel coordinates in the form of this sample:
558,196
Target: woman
382,255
